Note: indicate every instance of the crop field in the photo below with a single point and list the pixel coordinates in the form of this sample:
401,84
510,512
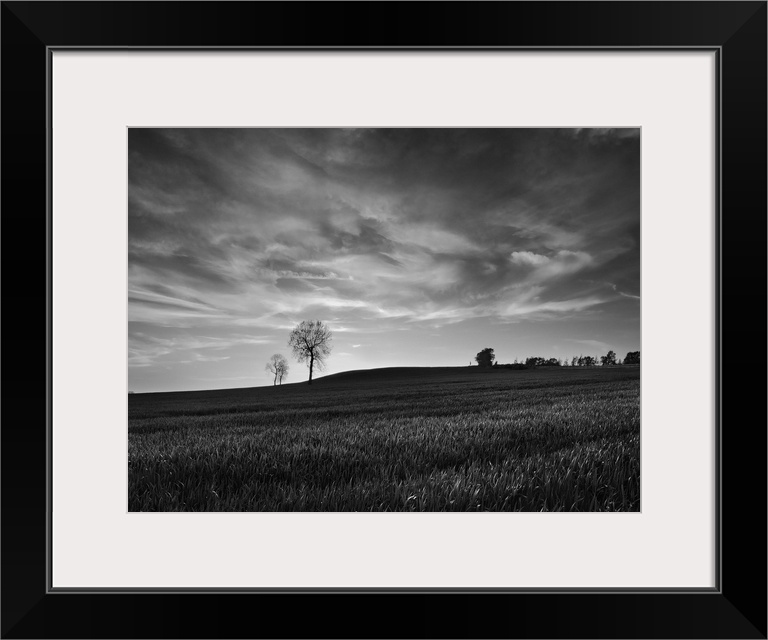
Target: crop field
422,439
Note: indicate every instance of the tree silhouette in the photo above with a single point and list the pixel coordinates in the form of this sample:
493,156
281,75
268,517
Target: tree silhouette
485,357
278,366
311,343
608,359
633,357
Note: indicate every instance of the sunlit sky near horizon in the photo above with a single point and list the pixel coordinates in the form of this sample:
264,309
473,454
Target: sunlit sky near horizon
418,247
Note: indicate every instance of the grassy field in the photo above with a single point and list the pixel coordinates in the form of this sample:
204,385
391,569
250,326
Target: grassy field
432,439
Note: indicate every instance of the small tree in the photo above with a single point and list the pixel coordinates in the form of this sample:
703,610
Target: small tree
485,357
311,343
633,357
575,361
608,359
277,365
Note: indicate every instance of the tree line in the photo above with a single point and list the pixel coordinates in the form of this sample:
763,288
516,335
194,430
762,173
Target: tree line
487,358
310,342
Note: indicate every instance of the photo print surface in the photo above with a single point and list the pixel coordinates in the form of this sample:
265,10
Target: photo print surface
440,319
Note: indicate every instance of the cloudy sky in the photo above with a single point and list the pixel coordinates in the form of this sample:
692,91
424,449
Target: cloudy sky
418,247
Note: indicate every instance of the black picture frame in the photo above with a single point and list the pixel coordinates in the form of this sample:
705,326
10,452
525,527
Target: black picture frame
736,608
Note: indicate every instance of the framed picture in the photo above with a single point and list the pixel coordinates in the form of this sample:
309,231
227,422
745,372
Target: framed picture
543,176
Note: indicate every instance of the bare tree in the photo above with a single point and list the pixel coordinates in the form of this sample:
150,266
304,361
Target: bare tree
311,343
278,366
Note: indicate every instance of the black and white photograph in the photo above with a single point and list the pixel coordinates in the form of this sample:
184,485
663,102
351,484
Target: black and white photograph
384,319
316,299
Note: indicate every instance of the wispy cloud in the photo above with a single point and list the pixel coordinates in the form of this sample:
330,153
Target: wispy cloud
146,349
595,345
622,293
236,230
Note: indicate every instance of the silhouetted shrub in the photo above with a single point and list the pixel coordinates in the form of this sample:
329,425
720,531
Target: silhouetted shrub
541,362
633,357
485,357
